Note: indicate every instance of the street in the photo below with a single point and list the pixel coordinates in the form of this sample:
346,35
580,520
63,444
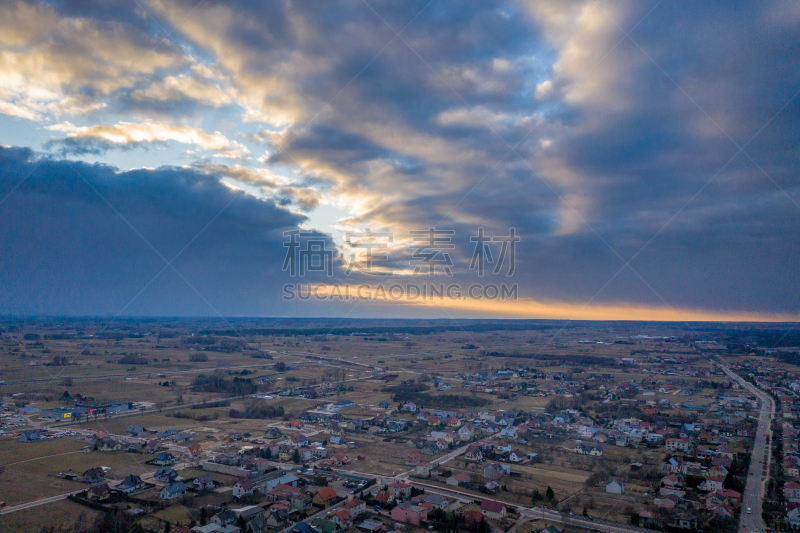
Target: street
759,463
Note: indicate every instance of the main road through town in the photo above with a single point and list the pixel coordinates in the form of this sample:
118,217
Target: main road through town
753,497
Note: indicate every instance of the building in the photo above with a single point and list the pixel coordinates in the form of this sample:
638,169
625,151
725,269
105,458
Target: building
130,484
400,490
94,475
242,487
410,512
458,479
680,444
324,497
615,487
165,474
172,491
164,459
791,490
355,507
493,510
203,482
583,449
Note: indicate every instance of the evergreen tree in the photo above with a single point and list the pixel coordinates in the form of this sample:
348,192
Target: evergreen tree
550,495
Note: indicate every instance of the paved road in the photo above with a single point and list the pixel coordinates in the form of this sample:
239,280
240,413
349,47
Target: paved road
753,496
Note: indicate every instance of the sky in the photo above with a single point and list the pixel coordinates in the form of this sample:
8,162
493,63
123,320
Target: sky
601,159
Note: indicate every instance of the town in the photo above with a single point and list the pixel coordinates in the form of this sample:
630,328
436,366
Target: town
381,432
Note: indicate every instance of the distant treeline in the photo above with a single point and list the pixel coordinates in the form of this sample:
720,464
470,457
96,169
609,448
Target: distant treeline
257,411
376,330
563,358
407,388
789,357
217,382
443,401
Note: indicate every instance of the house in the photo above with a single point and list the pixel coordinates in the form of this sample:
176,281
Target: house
793,517
791,490
678,444
410,512
493,509
324,497
30,436
410,407
384,405
136,431
474,453
242,487
712,483
424,469
224,517
684,521
299,440
325,526
172,491
400,490
495,471
165,474
273,433
94,475
152,446
341,518
437,501
355,507
194,451
108,445
202,482
339,459
131,483
458,479
99,492
516,456
466,432
615,487
583,449
277,519
791,466
302,527
383,497
165,458
257,524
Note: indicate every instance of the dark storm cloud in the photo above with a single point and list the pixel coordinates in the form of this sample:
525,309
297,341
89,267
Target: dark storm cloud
85,239
536,115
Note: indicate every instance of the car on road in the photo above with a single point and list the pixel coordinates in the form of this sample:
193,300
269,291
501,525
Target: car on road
748,511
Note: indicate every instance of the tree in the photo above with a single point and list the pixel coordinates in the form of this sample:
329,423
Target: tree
203,516
550,495
634,519
167,527
296,457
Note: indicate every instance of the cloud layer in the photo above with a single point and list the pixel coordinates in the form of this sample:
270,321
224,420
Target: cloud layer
646,153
